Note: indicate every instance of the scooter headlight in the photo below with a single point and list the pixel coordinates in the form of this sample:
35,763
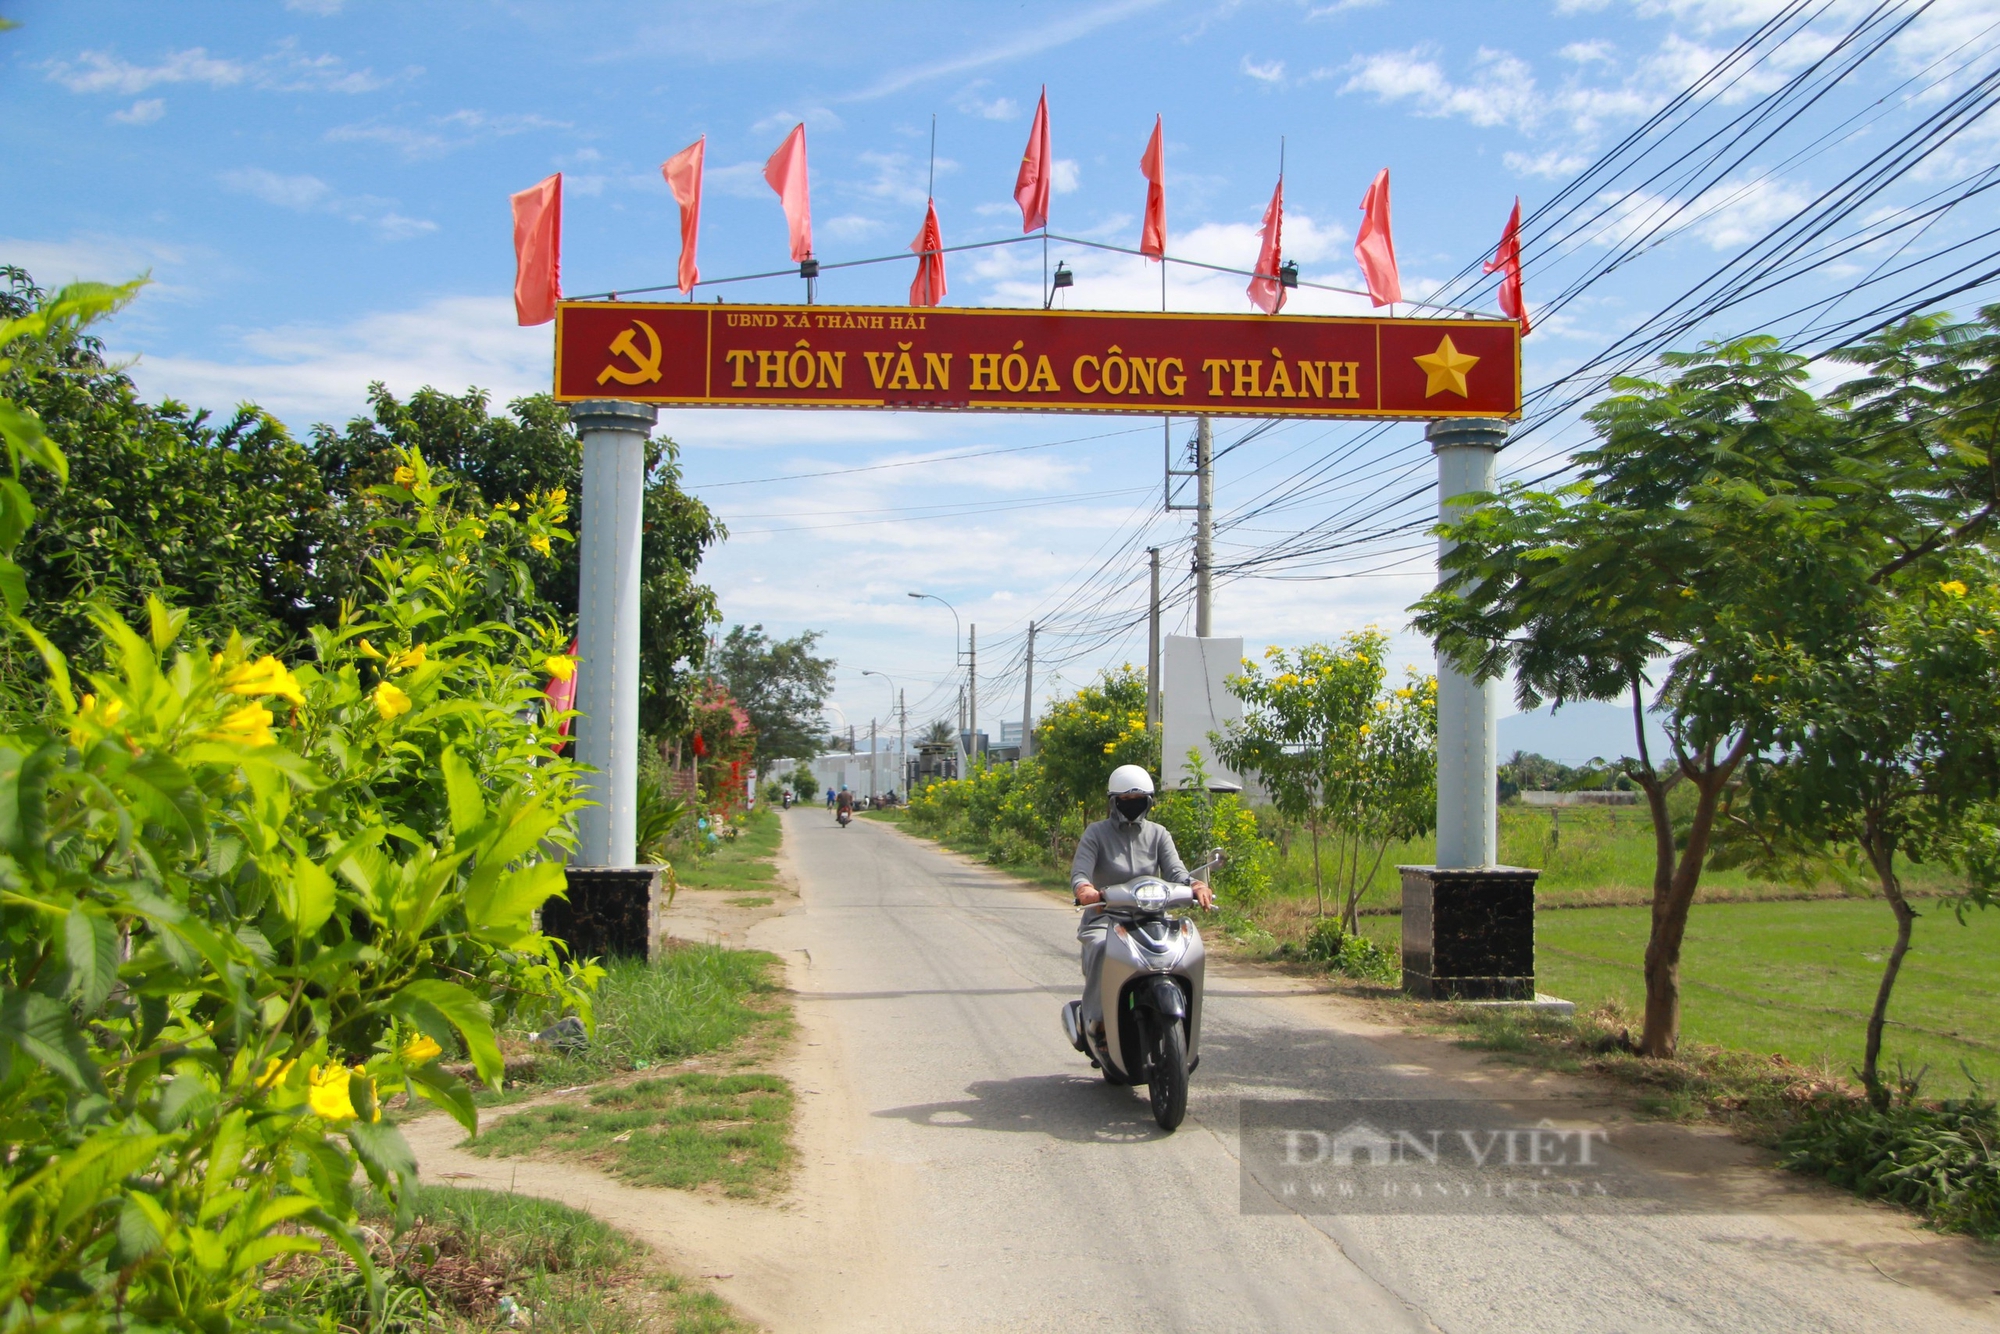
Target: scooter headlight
1150,895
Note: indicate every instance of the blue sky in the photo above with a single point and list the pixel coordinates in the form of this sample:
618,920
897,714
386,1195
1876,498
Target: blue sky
319,191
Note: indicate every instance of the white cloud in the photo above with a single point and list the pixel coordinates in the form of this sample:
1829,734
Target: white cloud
310,194
1554,163
101,72
813,118
1271,71
440,135
283,69
143,112
1585,53
999,47
298,193
93,258
306,373
1067,177
848,227
1502,94
1728,215
900,177
969,103
323,8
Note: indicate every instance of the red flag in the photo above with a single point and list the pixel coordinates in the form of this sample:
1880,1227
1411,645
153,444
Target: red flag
928,289
1374,248
538,251
683,173
1507,262
786,172
1031,184
1153,165
1266,292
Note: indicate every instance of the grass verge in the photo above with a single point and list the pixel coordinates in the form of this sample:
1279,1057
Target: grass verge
478,1258
744,863
694,1000
683,1131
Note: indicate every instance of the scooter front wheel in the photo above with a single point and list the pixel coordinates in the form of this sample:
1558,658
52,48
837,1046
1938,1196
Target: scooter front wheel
1168,1088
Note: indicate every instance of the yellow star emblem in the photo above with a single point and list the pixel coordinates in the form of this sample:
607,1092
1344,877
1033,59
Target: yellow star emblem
1445,368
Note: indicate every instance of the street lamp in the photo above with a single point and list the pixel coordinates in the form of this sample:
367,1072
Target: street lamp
892,713
957,659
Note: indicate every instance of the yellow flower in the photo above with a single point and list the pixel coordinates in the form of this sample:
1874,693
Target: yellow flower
274,1072
559,665
1364,729
559,496
247,726
327,1092
1952,588
94,713
405,475
266,676
368,650
390,702
420,1049
539,543
1109,747
1687,592
409,657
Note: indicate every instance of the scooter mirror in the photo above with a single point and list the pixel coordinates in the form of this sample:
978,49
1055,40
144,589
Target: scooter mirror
1218,858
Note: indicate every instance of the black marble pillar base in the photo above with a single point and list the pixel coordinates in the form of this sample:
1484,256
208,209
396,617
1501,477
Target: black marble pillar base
608,914
1469,934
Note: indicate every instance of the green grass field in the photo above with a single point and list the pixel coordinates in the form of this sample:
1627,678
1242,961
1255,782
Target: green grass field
1799,979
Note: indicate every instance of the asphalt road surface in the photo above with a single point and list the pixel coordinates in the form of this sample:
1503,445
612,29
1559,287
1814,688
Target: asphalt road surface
1004,1186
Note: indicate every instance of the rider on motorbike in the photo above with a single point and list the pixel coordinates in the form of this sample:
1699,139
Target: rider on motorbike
1122,847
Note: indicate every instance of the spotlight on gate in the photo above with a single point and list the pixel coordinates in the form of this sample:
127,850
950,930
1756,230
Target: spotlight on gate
1288,273
808,267
1063,277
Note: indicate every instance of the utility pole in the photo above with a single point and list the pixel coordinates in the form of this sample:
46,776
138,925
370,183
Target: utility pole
1028,698
871,760
1204,524
1153,643
961,710
903,740
972,688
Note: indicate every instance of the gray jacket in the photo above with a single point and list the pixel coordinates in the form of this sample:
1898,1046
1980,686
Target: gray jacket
1113,851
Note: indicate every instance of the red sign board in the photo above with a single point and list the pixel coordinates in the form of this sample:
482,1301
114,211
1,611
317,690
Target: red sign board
718,355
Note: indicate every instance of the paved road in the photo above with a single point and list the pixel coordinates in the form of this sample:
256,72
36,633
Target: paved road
1014,1190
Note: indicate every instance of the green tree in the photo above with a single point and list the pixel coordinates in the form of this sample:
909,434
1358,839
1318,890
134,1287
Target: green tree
1890,745
781,684
1721,510
1340,753
224,519
1080,740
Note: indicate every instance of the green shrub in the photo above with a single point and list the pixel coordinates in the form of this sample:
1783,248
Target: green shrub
245,903
1942,1158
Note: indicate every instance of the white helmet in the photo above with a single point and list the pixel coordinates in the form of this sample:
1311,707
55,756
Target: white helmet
1130,778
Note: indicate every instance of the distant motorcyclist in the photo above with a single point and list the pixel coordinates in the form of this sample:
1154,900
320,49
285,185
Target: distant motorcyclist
1122,847
830,796
845,802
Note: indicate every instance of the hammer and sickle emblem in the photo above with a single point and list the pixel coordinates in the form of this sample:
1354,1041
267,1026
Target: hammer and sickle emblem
649,364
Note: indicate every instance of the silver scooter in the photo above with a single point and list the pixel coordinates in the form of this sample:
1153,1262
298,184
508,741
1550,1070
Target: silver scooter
1149,978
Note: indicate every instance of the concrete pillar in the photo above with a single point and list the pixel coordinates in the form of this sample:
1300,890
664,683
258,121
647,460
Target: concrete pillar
1468,714
607,735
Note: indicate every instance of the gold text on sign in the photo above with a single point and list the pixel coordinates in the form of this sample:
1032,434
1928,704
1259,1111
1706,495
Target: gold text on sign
623,346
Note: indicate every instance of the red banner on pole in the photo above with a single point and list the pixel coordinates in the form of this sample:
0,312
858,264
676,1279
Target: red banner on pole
1037,361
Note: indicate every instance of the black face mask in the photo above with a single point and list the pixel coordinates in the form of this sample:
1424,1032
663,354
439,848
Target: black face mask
1133,808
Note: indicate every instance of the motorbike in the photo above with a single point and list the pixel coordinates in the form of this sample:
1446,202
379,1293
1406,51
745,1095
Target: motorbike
1149,978
844,816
